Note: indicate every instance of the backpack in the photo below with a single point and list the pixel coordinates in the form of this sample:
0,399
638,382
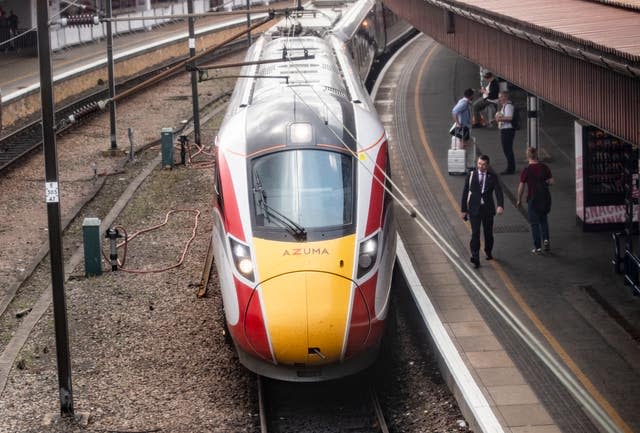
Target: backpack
515,119
541,200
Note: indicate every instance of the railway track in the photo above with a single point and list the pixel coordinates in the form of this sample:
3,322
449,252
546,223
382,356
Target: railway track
350,404
27,138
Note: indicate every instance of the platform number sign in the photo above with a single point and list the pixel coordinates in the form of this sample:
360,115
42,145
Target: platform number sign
51,192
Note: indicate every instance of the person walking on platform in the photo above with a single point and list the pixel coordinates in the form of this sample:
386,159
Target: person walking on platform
489,97
507,131
461,113
4,29
478,207
537,176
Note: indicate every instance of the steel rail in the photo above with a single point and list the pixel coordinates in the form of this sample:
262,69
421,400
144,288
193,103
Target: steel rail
261,406
28,138
382,423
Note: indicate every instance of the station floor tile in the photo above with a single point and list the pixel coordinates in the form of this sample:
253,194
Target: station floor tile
469,314
549,428
513,395
525,415
452,301
480,343
489,359
469,329
454,289
500,376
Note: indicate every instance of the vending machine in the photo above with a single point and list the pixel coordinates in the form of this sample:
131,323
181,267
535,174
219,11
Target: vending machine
606,179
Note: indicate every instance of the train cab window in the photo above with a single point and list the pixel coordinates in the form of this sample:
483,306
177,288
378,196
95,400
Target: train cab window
303,190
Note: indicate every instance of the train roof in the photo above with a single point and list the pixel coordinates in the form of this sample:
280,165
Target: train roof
320,88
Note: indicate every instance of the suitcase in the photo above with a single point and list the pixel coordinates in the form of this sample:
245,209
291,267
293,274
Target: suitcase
457,161
460,160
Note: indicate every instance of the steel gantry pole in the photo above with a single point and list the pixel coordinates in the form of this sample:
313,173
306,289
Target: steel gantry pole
249,20
194,75
111,73
533,133
52,194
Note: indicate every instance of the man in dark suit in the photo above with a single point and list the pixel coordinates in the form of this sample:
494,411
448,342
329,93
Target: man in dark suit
478,206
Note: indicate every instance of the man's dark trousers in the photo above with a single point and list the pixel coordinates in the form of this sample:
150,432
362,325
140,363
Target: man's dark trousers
484,218
506,138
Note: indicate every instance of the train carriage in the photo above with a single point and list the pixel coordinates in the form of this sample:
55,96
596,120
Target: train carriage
304,235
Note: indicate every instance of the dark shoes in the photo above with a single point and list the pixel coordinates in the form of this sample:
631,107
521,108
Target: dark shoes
489,256
476,262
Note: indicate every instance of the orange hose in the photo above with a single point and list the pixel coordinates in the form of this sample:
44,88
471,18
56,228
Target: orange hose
166,219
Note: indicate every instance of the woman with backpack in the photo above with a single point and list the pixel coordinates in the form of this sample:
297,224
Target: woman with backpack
537,176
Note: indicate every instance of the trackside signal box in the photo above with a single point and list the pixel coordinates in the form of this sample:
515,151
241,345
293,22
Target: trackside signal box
166,139
92,246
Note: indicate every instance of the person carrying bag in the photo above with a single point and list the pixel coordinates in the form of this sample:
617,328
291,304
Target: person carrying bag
537,176
461,113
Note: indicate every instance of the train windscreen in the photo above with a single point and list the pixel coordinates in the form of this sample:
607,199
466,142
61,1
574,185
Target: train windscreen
303,189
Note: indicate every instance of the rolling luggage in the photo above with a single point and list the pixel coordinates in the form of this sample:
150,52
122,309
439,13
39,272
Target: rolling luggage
459,159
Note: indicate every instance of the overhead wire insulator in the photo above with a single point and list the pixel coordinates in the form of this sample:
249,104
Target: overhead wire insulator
80,20
85,110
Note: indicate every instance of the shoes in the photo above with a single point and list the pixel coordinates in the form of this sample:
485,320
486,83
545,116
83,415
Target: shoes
547,246
507,172
536,251
489,256
476,262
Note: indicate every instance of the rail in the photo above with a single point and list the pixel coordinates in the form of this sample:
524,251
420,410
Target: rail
28,138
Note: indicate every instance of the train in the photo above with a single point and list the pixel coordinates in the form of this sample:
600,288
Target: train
304,236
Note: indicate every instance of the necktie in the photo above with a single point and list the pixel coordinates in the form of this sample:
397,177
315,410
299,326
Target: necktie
482,175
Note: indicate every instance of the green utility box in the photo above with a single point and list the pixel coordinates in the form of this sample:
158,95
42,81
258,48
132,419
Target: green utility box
166,138
92,246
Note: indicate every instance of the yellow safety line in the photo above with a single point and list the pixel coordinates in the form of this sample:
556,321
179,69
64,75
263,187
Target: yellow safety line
557,347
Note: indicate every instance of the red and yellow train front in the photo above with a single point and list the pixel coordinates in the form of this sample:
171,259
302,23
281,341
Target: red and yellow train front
306,282
300,308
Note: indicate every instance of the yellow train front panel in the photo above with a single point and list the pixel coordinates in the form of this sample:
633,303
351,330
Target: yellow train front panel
306,293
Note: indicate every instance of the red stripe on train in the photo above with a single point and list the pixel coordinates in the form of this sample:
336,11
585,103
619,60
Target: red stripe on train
232,221
376,201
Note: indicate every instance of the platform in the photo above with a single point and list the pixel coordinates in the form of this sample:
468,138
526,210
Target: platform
570,298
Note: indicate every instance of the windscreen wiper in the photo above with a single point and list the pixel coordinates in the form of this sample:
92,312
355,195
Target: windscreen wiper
296,230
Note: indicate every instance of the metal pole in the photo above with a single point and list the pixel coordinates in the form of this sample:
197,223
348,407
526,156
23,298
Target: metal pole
194,76
249,20
532,122
112,80
53,212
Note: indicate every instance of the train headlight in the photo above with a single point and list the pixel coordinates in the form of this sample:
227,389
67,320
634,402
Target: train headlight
301,133
367,255
242,258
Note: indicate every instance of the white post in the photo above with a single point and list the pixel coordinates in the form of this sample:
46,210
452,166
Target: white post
533,134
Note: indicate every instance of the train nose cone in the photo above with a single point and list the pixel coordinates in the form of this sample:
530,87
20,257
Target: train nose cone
306,315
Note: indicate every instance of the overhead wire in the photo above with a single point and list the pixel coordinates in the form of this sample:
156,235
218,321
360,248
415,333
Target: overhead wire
422,221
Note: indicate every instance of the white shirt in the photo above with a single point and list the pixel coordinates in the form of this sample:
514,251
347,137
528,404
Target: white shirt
506,111
482,179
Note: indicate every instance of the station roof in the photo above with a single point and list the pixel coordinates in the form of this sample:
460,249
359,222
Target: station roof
609,26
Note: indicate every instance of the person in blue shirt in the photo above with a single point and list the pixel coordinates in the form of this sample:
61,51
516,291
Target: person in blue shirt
461,113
